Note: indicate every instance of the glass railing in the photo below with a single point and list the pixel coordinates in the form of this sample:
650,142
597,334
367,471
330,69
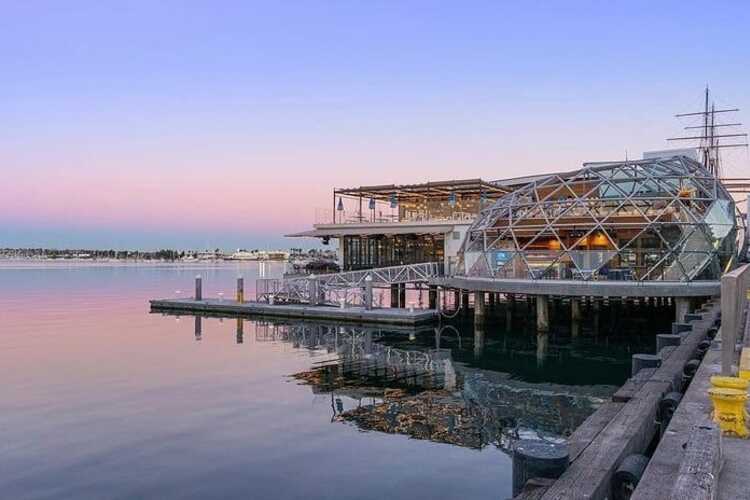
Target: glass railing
328,216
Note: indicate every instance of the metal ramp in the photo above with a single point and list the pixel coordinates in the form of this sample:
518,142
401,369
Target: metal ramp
348,288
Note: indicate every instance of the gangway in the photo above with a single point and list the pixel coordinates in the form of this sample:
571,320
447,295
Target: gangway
348,287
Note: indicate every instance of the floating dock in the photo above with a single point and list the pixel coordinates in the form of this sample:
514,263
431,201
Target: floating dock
388,316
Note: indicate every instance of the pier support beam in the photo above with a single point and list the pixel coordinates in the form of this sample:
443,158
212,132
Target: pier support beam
432,297
240,333
575,316
478,340
681,308
240,290
402,295
198,327
479,308
465,302
198,288
542,313
597,312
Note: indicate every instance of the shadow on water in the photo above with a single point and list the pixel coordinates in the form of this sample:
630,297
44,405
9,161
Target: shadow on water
464,386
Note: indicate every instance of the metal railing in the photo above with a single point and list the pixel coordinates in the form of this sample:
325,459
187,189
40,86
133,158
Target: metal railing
348,288
330,217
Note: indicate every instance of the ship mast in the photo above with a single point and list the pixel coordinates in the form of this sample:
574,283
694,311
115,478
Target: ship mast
709,143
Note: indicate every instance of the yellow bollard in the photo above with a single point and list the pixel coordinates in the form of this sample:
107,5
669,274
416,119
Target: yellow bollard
729,409
730,382
745,363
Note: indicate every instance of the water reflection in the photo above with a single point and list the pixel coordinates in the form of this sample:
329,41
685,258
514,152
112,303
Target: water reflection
449,384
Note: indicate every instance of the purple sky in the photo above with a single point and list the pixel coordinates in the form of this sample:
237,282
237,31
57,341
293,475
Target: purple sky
227,124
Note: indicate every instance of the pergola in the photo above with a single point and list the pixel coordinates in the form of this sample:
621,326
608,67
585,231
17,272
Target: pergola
415,192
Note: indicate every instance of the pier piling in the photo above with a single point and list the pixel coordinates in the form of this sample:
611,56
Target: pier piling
542,313
432,297
198,288
535,458
479,308
240,289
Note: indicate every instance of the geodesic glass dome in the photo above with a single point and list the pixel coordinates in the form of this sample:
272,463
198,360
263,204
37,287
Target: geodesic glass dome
657,219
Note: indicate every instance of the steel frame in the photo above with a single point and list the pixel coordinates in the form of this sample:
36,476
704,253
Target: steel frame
593,200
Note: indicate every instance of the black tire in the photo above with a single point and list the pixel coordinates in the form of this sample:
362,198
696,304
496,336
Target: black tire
703,347
690,368
627,476
667,406
711,333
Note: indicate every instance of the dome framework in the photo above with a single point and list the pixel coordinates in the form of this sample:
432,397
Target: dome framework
657,219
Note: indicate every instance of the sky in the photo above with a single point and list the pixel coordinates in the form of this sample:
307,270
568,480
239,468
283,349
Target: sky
182,124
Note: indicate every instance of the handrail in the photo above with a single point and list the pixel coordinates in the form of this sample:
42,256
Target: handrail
347,285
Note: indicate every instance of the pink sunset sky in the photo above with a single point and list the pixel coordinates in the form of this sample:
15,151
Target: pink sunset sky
184,126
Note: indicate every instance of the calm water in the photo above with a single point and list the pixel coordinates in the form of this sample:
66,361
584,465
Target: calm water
103,399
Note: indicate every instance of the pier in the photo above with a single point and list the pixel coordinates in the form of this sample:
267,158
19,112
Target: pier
660,437
604,242
356,314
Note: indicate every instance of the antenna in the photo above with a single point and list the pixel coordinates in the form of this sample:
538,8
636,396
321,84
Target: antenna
709,140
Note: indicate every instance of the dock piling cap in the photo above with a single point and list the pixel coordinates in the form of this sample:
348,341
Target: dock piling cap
730,382
727,393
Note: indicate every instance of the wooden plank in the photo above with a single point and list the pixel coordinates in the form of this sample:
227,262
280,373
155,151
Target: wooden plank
661,474
585,434
698,476
581,438
630,431
626,392
624,426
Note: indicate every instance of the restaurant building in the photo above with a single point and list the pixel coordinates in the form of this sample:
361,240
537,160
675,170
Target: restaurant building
390,225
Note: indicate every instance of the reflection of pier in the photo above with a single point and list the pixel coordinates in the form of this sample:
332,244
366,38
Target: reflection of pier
405,381
361,354
454,402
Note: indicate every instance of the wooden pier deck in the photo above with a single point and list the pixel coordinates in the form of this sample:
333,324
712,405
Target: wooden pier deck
624,426
387,316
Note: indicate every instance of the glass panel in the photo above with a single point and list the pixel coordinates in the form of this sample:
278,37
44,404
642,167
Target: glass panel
720,220
588,262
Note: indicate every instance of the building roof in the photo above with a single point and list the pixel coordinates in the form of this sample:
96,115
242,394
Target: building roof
375,229
431,189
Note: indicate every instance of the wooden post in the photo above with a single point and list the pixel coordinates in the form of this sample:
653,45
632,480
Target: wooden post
575,316
682,307
479,308
542,313
465,302
198,288
432,297
478,340
198,327
240,332
240,290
